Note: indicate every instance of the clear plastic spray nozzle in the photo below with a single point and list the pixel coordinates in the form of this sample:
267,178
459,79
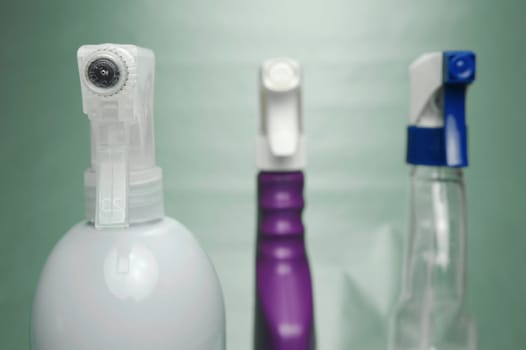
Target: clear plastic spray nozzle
117,97
280,143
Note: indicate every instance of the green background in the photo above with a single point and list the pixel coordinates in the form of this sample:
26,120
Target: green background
355,56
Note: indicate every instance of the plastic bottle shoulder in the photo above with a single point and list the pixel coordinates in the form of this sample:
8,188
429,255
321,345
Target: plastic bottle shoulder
118,288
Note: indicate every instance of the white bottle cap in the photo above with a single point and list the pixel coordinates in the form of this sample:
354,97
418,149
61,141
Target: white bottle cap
123,185
281,144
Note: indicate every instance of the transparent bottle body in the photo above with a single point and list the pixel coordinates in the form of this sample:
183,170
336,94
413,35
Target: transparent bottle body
431,313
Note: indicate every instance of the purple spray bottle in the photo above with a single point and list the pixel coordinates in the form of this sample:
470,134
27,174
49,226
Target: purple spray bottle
284,317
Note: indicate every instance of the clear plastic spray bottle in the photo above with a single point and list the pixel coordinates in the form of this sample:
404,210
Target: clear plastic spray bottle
431,312
284,317
128,277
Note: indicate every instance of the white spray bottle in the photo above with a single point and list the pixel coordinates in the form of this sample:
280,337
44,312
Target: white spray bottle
127,278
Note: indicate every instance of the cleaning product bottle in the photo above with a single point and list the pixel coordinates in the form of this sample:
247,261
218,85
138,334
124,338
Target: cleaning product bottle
284,317
128,277
431,313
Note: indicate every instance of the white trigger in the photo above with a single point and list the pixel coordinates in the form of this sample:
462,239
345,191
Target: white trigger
111,140
283,125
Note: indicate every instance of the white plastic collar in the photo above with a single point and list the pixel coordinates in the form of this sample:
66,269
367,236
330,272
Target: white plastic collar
281,144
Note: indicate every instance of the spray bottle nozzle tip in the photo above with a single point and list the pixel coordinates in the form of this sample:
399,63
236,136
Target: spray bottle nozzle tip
280,74
103,72
459,67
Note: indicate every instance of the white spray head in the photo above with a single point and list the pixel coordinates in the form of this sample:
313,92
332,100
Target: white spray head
123,184
281,144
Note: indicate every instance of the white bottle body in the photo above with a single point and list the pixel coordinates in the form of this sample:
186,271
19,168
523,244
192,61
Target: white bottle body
146,287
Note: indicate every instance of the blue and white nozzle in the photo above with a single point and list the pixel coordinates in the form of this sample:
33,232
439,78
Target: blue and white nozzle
437,134
123,184
281,144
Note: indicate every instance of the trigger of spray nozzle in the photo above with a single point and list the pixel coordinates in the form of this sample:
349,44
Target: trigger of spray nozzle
111,146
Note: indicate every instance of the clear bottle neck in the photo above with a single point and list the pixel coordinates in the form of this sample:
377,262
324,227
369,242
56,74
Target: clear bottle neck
436,259
144,195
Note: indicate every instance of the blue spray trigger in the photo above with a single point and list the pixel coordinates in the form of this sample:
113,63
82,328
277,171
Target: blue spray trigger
459,72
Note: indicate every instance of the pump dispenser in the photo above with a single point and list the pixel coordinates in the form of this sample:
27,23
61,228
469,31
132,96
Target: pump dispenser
431,312
123,185
284,318
128,277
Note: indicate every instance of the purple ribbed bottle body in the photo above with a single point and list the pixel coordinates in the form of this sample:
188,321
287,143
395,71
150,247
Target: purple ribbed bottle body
284,308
